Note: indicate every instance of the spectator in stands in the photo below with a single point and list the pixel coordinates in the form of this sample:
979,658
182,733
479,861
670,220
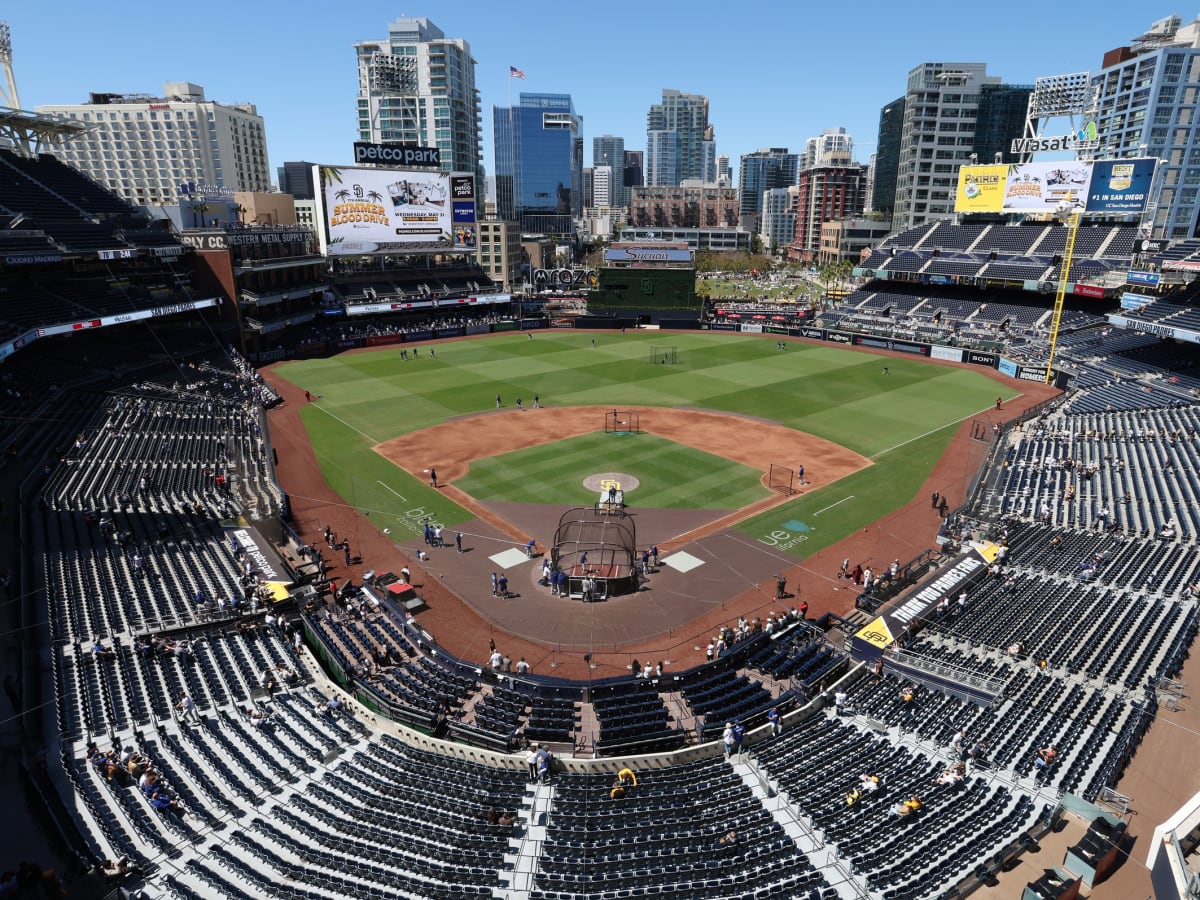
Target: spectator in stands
957,743
739,736
544,765
531,760
839,701
507,819
907,807
99,651
728,840
869,782
187,708
1046,757
727,739
978,751
1016,649
114,870
853,795
953,775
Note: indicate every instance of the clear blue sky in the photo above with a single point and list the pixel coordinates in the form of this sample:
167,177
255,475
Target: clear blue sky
776,73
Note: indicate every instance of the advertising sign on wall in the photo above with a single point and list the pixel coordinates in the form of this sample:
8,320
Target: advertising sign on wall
1043,186
1120,185
950,354
368,210
1150,278
980,188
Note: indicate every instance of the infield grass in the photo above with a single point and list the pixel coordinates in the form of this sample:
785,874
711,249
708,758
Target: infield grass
841,395
671,475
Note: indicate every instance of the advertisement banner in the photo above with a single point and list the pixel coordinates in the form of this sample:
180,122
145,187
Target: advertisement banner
1043,186
479,328
310,348
456,331
1134,301
980,189
1179,334
385,210
860,340
1007,367
531,324
1087,290
775,329
839,337
1120,185
1031,373
722,326
1150,278
977,358
752,329
950,354
815,334
349,343
424,335
505,326
382,340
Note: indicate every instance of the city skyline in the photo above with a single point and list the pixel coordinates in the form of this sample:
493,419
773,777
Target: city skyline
303,77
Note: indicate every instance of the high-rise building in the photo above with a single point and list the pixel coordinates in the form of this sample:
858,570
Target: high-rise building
539,163
1146,100
887,159
761,171
944,117
418,87
818,149
143,148
828,192
778,217
679,140
724,171
296,178
602,187
608,150
634,170
588,187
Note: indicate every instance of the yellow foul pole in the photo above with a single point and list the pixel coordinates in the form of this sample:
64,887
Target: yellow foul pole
1063,275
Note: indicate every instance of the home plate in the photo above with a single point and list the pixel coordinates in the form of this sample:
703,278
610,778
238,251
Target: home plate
682,561
510,558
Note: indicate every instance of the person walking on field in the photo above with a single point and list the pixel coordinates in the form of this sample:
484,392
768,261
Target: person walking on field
497,401
432,477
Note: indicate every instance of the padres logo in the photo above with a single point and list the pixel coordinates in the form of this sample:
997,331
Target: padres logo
610,484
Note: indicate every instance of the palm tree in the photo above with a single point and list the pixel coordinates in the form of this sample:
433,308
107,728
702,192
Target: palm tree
375,196
342,195
202,209
241,213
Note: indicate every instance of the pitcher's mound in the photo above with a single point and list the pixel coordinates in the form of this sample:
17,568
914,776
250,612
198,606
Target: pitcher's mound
600,481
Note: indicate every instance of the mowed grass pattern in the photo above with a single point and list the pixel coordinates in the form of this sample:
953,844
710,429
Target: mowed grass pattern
838,394
671,476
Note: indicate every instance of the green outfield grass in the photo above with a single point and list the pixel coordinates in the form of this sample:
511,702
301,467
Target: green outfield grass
838,394
671,475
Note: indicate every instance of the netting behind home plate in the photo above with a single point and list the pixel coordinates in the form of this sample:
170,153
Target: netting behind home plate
596,545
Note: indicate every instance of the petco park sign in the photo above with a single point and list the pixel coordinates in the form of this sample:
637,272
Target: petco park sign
396,154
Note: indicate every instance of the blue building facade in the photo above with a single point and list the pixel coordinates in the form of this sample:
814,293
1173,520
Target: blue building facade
539,163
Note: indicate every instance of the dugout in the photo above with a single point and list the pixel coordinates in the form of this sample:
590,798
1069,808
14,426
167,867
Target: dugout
598,547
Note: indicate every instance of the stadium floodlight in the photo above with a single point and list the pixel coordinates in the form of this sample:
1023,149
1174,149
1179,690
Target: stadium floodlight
1062,95
8,89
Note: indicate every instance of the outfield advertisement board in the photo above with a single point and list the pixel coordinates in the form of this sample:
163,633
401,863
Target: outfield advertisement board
950,354
371,211
981,188
977,358
1007,367
816,334
864,340
1043,186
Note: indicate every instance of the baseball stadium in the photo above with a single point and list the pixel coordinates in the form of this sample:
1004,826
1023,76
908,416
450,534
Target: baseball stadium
338,571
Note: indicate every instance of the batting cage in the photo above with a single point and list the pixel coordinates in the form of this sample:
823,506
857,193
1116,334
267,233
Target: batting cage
597,551
782,479
664,356
622,421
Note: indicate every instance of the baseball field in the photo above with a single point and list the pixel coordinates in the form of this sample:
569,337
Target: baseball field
376,423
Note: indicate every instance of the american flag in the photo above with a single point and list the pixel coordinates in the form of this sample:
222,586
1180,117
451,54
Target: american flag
514,72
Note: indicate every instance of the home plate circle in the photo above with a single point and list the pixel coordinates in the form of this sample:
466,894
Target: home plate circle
602,481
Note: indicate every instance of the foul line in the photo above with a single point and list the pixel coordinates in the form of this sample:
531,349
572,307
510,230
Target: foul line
832,505
347,424
932,431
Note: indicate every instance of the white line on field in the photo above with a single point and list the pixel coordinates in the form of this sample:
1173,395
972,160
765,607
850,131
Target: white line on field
932,431
832,505
347,424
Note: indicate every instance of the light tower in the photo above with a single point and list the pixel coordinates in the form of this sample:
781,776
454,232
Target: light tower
8,92
1071,96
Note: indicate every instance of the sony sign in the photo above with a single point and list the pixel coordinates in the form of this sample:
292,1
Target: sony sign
397,154
1052,144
